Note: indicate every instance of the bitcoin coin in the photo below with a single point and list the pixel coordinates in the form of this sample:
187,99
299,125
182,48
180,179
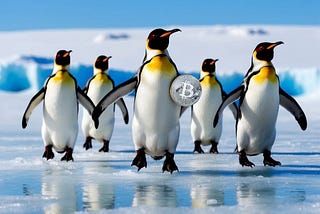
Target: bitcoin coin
185,90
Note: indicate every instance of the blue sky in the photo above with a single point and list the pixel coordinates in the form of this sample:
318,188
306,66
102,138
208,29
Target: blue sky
49,14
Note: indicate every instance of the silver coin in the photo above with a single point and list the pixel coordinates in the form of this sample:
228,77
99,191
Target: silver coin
185,90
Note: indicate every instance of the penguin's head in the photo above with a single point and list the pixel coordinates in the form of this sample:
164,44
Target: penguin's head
264,51
63,58
209,66
102,62
158,39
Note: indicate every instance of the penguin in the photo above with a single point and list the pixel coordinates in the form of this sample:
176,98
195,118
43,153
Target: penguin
60,95
259,98
203,112
155,124
98,86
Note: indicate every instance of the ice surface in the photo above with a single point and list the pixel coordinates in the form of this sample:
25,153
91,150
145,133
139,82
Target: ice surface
105,182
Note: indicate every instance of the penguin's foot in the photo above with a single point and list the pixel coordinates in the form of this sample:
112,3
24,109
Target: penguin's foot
197,147
140,160
268,160
169,164
214,148
68,156
48,152
243,159
88,144
105,147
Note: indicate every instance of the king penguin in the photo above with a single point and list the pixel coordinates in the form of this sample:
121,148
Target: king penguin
98,86
60,95
155,125
260,96
203,112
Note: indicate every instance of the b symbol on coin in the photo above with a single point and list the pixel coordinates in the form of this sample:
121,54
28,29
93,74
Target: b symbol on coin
185,90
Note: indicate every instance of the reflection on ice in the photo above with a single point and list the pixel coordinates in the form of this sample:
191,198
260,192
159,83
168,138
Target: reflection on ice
97,193
206,195
62,189
257,193
98,196
159,195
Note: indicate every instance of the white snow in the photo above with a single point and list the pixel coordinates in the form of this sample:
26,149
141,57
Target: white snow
106,183
233,45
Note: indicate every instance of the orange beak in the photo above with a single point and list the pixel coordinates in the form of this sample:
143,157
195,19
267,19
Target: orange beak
168,33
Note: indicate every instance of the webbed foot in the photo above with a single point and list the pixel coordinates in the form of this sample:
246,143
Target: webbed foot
140,160
48,152
105,147
68,156
268,160
169,164
214,148
197,147
88,144
243,159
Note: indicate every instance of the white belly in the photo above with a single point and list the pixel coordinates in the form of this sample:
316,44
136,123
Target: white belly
60,116
155,125
202,116
256,128
106,120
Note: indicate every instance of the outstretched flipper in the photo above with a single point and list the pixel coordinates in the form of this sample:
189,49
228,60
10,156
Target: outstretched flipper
124,110
85,101
231,98
114,95
293,107
35,100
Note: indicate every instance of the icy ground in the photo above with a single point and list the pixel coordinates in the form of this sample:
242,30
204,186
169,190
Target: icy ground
105,182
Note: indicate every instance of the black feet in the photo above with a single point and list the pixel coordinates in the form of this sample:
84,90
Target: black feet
88,144
169,164
68,156
197,147
214,148
48,152
140,160
105,147
268,160
243,160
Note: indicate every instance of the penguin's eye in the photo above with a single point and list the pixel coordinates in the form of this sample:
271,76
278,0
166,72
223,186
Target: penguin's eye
260,48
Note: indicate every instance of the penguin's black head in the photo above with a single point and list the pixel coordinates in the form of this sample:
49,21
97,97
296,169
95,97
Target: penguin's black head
159,38
63,57
264,50
102,62
209,65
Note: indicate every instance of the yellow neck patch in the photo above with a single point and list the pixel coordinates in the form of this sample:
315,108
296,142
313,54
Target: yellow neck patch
101,78
209,81
267,73
161,64
62,76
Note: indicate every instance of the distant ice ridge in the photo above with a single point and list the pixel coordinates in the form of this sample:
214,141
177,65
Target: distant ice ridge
30,73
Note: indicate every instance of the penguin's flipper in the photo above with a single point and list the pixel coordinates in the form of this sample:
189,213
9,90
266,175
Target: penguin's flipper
293,107
231,98
233,108
35,100
85,101
115,94
124,110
